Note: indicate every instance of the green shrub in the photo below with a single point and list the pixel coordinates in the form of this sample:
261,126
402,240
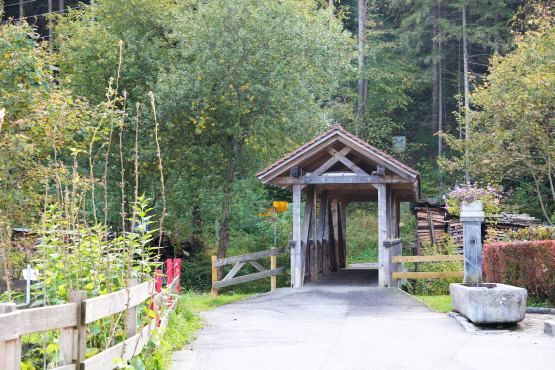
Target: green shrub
435,286
196,273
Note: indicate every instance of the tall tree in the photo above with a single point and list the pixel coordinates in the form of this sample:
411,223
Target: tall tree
246,77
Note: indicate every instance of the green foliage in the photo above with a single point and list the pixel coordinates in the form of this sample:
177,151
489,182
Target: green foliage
362,231
196,273
540,232
512,124
439,303
78,257
435,286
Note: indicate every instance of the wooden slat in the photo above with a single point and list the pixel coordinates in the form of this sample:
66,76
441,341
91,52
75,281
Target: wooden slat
428,275
33,320
248,257
109,304
106,359
438,258
234,271
257,266
249,277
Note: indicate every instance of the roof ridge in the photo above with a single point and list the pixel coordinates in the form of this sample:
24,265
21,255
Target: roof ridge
338,128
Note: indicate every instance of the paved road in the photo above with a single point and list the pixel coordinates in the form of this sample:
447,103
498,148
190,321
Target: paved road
333,325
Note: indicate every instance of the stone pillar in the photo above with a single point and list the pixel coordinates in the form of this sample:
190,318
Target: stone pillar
472,217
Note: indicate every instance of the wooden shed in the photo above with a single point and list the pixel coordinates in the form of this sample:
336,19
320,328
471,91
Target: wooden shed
332,170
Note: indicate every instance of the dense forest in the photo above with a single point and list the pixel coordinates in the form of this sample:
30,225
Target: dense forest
184,101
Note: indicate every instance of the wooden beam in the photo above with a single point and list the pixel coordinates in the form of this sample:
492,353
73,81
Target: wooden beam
428,275
344,204
330,162
248,257
296,278
234,271
313,240
320,231
350,165
305,234
438,258
336,233
331,239
346,179
249,277
325,208
382,234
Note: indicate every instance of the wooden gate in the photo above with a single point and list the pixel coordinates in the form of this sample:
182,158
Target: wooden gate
239,261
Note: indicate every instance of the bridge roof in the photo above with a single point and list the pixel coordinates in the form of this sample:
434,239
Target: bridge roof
340,161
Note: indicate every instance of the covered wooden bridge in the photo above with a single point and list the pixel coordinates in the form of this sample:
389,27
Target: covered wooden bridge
334,169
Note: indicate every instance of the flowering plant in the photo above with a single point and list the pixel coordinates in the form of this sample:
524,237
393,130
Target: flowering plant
489,196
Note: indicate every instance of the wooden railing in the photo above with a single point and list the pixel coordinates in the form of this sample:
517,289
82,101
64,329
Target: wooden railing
239,261
399,260
72,319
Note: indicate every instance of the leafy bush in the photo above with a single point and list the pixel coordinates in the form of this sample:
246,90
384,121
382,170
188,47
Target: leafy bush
435,286
196,273
541,232
528,264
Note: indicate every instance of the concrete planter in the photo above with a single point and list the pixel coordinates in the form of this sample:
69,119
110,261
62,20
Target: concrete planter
489,303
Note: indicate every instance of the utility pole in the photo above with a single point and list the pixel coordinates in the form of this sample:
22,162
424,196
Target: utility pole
466,96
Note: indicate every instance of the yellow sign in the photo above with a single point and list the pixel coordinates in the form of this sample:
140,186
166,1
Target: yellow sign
280,206
277,207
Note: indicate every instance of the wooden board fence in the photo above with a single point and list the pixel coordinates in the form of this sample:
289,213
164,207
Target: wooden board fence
427,274
239,261
72,319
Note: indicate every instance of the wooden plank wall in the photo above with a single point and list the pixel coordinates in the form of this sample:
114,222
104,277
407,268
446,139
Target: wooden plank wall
323,234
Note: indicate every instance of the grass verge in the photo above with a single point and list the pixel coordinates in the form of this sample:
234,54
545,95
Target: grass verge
439,303
183,324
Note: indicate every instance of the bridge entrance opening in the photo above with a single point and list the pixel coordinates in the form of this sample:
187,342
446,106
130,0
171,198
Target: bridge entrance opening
331,171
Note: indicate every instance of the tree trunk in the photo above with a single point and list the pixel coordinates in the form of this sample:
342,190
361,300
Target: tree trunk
362,84
440,87
435,69
466,96
228,188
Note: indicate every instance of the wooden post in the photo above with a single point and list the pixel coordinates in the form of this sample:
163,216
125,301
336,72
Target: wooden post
382,231
273,266
10,351
342,207
157,290
321,228
296,262
131,314
79,335
313,240
305,232
214,291
336,244
177,273
331,239
169,279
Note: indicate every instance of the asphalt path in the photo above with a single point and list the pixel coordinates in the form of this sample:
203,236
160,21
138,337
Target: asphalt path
345,322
